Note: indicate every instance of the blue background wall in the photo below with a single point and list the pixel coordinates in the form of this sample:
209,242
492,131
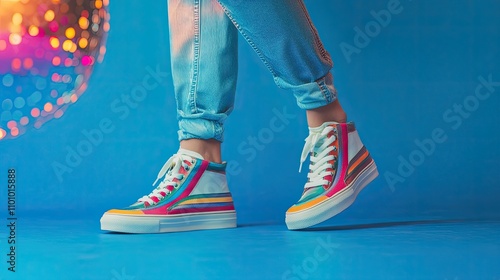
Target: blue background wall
401,88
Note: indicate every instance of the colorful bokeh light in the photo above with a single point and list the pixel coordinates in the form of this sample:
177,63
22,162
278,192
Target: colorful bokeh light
48,49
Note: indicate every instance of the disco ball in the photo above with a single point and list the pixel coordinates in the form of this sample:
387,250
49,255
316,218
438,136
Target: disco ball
48,49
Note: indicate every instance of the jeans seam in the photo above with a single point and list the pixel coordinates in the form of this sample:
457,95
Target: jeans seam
250,42
324,89
196,57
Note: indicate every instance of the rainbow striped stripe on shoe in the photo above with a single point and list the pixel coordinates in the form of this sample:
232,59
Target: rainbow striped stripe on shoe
190,194
340,167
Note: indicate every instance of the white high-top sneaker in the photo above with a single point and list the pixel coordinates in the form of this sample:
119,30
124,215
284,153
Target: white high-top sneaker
190,194
340,167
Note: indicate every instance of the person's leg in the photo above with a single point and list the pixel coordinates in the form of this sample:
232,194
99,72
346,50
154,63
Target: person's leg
282,34
331,112
191,190
204,59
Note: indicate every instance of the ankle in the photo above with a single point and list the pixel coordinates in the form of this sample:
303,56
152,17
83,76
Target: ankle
209,149
332,112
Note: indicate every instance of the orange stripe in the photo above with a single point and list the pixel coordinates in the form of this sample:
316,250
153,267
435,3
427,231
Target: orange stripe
126,212
358,161
308,204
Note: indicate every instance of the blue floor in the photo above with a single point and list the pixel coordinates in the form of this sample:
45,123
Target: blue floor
423,91
425,249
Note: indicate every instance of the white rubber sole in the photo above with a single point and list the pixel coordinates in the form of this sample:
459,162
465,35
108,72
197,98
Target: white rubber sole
171,223
333,205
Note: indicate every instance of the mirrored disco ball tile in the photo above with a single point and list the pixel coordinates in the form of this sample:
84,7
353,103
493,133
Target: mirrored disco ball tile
48,50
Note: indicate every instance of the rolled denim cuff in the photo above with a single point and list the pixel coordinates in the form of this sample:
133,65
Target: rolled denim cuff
200,129
316,94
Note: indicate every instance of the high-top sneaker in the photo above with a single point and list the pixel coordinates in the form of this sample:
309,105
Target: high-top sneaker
340,167
190,194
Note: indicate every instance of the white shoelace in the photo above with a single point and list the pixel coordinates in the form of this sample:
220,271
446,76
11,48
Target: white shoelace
318,146
168,172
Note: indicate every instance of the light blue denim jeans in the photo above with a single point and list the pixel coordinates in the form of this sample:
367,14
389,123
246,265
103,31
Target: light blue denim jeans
204,55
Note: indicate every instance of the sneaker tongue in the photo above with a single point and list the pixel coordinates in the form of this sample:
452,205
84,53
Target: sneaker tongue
189,153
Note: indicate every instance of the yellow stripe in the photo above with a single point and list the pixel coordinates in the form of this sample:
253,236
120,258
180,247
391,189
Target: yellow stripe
308,204
207,200
126,212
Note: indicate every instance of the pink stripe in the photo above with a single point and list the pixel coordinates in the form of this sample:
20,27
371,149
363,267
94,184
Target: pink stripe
164,208
341,173
206,209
